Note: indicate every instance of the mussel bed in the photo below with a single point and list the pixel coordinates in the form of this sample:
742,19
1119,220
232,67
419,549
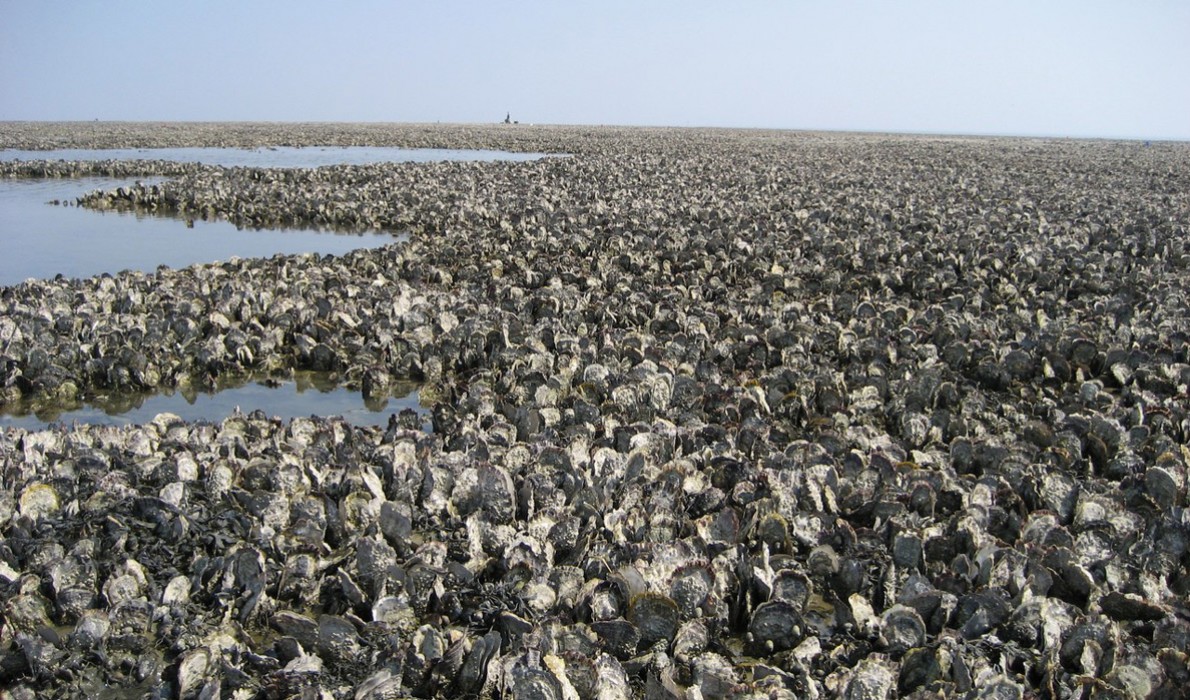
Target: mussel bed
715,414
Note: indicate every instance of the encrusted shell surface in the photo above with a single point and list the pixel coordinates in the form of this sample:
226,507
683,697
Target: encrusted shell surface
730,413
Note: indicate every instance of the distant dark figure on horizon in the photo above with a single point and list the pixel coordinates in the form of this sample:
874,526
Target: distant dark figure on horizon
508,118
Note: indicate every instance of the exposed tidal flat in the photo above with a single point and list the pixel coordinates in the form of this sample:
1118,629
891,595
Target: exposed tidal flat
715,414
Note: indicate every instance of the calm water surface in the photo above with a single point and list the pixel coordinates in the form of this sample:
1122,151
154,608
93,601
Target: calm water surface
40,240
309,394
280,157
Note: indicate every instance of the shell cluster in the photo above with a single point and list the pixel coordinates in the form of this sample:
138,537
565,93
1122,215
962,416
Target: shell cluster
715,414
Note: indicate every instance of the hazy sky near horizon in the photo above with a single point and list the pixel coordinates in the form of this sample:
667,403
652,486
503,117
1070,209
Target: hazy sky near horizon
1083,68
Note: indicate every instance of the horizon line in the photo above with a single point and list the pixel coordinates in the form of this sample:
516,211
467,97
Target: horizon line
691,127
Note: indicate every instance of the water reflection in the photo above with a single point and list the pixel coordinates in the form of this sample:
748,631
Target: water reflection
41,240
279,157
309,393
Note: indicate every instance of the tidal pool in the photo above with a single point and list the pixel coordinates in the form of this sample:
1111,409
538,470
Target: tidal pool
278,157
39,239
309,393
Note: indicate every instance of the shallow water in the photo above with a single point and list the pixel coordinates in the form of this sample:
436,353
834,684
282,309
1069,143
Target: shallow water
42,240
280,157
308,394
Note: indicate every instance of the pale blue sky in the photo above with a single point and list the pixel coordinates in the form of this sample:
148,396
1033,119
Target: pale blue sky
1035,67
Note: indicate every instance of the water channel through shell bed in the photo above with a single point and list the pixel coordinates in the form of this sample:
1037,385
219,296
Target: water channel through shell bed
715,414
